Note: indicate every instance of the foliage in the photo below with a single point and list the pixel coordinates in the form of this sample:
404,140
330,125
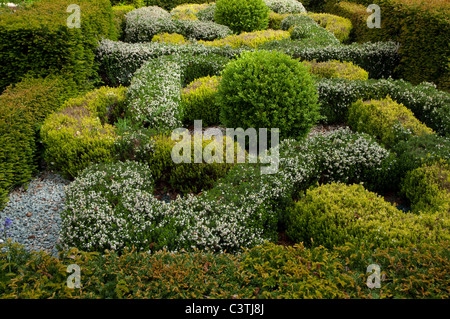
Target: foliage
337,69
188,11
285,6
78,134
242,15
312,31
169,38
339,26
249,39
269,90
386,120
36,41
334,214
23,108
428,187
198,100
119,18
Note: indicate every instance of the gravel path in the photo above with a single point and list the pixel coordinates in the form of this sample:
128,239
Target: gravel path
35,213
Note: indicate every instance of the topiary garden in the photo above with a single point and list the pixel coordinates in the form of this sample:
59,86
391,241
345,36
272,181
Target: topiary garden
236,149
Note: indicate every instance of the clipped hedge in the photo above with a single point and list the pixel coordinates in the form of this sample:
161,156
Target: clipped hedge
120,60
333,214
420,26
386,120
23,108
341,27
144,23
337,69
428,188
119,18
428,104
78,134
266,271
249,39
36,40
199,101
188,11
169,38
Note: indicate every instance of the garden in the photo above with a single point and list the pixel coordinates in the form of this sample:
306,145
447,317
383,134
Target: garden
352,166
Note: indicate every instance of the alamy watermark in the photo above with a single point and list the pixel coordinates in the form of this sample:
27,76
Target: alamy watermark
213,151
374,20
74,280
74,20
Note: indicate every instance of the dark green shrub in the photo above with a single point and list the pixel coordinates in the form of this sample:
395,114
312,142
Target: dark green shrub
36,40
78,135
386,120
23,108
333,214
268,90
428,187
242,15
199,101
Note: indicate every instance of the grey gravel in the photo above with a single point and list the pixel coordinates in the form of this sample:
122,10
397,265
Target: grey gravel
35,213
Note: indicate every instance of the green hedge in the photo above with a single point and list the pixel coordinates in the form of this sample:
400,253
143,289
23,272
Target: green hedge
430,105
170,4
267,271
420,27
23,108
37,41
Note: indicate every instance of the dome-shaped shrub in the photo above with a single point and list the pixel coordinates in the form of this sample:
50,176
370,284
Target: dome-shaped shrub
265,89
242,15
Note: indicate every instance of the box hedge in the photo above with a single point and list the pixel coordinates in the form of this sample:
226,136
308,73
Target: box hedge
386,120
23,108
421,27
36,40
333,214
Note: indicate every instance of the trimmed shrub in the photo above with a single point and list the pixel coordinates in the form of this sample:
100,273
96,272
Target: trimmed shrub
26,34
334,214
420,27
153,97
285,6
337,69
427,103
208,13
339,26
428,188
268,90
386,120
198,100
242,15
23,108
169,38
313,31
275,20
188,11
420,150
144,23
379,59
347,157
120,60
296,19
171,4
249,39
78,135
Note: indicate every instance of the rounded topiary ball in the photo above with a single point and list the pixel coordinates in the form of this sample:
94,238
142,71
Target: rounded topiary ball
264,89
242,15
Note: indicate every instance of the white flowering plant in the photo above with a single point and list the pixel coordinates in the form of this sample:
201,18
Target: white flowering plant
285,6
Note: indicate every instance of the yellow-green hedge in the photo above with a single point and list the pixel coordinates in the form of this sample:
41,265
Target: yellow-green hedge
385,119
249,39
337,69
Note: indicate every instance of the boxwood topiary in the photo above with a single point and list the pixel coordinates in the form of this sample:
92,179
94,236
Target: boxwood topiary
242,15
265,89
333,214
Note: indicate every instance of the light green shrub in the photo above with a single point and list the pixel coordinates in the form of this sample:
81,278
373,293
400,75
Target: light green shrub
334,214
199,101
249,39
386,120
339,26
337,69
169,38
428,188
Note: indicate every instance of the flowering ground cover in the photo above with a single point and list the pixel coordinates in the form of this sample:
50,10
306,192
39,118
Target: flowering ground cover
167,207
